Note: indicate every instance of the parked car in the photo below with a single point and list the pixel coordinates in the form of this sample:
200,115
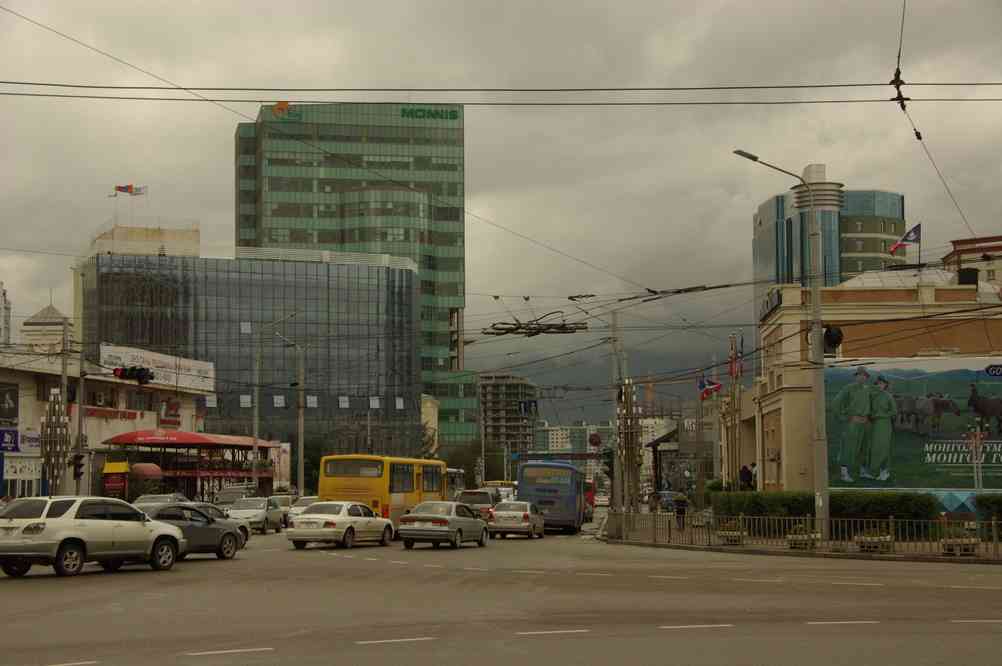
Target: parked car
262,513
340,523
160,499
481,501
300,505
67,532
213,511
442,522
516,518
285,503
203,534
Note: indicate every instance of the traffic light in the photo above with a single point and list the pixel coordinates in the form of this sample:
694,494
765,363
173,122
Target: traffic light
608,462
77,463
138,374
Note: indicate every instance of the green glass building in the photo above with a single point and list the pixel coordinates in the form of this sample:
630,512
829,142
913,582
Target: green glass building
372,178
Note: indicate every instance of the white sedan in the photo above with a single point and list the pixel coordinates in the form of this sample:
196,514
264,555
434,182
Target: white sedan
339,523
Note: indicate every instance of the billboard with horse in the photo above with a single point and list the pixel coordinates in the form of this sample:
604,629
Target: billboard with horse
907,423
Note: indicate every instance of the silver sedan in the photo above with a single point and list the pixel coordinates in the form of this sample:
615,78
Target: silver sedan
442,522
516,518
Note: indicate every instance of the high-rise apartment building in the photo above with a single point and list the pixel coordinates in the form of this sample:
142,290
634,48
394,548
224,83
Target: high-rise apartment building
858,227
507,402
5,313
374,179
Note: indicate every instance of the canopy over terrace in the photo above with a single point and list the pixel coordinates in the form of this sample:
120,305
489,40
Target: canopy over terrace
198,464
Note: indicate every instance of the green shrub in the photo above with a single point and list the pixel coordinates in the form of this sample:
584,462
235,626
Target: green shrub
844,504
989,505
762,504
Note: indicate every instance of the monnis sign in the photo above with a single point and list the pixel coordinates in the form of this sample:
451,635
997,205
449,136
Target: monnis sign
429,114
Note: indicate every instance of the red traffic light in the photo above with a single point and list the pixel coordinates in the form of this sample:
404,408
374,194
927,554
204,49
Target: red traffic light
121,373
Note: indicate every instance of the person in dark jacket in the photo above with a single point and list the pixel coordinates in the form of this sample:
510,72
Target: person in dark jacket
745,478
680,505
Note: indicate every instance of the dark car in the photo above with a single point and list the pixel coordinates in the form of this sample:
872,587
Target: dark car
203,533
213,511
481,501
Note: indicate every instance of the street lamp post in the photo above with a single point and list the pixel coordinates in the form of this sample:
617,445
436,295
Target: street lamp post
259,351
817,351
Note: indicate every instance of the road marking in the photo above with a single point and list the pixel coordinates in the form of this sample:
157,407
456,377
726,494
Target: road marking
372,559
758,580
820,622
670,577
237,651
473,569
594,574
696,626
435,566
976,621
548,633
77,663
397,640
527,571
972,587
861,584
269,550
348,557
398,562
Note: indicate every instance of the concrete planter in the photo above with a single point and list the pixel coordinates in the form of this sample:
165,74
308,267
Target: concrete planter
960,546
875,544
803,541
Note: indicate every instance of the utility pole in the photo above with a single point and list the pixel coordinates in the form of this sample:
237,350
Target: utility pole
81,396
619,372
301,429
259,352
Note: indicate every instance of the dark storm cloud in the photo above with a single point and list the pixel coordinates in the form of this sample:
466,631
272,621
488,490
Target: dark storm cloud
652,194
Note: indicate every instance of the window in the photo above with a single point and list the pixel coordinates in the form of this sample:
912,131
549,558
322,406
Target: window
92,511
432,478
859,226
464,512
139,400
59,508
170,513
122,511
272,504
859,266
213,511
196,517
353,510
991,274
25,508
401,478
859,246
366,511
371,469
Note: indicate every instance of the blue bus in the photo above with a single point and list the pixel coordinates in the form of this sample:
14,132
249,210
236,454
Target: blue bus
557,488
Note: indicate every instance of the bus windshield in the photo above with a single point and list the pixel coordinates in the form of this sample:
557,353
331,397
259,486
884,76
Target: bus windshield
372,469
547,476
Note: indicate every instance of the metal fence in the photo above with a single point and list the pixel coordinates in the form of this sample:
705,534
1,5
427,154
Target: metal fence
888,536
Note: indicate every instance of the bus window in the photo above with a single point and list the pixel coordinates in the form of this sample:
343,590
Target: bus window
432,476
401,478
372,469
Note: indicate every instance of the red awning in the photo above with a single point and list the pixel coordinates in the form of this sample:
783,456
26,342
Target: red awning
181,439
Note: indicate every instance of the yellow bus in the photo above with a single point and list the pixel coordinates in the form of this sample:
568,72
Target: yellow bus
390,486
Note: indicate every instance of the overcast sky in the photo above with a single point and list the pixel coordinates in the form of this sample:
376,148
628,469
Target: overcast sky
652,193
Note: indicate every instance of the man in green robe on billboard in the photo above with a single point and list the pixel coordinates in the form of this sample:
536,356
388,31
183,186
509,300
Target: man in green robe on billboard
853,403
883,409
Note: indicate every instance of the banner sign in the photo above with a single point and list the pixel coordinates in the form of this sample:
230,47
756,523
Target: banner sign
9,438
910,423
167,370
10,400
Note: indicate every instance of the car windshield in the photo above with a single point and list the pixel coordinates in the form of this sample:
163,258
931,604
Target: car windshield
306,501
24,508
153,499
249,503
512,506
283,500
470,497
328,508
434,508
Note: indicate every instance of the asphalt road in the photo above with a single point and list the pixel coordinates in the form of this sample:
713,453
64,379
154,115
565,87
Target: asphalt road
570,598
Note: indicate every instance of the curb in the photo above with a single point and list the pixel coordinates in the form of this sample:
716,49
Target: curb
743,550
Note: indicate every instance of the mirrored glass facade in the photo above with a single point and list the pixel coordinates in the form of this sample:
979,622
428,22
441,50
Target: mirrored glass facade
357,322
371,178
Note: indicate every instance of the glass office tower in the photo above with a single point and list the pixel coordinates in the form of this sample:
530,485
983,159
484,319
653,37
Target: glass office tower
356,320
371,178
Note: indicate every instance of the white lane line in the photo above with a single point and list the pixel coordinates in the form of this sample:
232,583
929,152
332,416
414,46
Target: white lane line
670,577
397,640
861,584
976,621
473,569
821,622
528,571
348,557
758,580
372,559
549,633
971,587
696,626
77,663
435,566
594,574
237,651
398,562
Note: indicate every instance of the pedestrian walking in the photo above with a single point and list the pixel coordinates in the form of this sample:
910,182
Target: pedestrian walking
680,505
754,476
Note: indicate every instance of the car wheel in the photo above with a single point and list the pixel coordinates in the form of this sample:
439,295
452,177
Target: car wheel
435,544
111,566
227,547
494,535
348,540
300,545
246,535
482,541
387,536
16,569
457,540
408,543
164,555
542,532
69,559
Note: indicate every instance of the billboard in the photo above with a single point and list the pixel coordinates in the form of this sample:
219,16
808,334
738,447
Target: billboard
908,422
167,370
10,400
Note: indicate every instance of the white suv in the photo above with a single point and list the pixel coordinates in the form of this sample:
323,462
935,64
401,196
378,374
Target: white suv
67,532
